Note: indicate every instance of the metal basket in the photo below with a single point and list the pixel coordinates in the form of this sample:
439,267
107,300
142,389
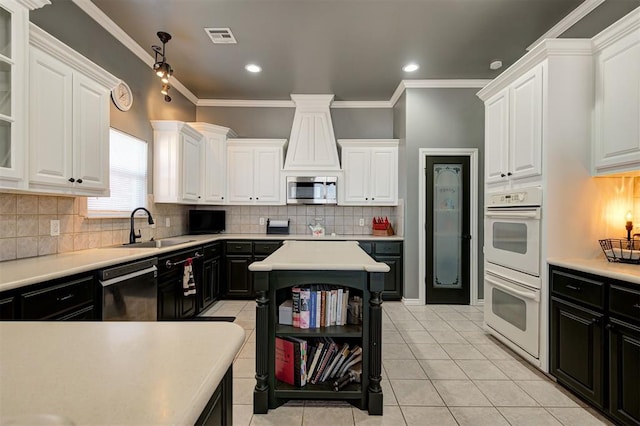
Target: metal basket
621,250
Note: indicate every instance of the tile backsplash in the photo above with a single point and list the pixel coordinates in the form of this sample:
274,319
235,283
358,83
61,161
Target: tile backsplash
25,223
341,220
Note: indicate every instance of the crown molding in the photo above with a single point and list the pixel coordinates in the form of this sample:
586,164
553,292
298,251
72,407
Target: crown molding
361,104
119,34
51,45
34,4
544,50
625,25
568,21
245,103
436,84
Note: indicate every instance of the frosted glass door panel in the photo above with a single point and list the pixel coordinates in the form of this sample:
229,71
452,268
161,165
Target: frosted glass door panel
447,247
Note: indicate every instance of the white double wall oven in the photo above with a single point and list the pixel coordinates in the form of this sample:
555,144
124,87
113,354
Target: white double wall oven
512,268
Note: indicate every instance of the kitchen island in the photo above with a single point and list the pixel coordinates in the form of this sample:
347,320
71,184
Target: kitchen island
330,264
117,372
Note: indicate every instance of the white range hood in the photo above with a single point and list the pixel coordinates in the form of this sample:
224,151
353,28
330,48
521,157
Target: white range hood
312,144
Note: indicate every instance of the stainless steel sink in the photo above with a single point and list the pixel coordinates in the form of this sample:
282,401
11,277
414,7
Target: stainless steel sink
167,242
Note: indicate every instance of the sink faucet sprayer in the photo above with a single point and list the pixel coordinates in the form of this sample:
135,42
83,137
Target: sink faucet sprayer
132,233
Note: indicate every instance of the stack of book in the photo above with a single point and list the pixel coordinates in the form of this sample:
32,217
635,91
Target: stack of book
299,362
317,306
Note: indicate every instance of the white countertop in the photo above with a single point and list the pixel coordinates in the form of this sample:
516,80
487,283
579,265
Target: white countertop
18,273
113,372
600,266
319,255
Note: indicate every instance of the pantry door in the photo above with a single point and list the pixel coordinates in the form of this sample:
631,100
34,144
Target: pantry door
448,238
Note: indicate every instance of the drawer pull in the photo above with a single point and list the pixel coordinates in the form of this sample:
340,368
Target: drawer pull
63,298
637,306
238,247
571,287
595,321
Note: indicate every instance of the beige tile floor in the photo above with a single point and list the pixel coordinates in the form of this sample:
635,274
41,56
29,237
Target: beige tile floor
439,368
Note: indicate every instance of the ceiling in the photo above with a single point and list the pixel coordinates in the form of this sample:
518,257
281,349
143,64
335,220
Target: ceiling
354,49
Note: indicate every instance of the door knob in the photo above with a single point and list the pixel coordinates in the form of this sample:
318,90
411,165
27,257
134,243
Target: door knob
466,236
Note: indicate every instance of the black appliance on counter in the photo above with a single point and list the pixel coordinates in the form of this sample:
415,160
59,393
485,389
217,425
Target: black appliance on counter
206,221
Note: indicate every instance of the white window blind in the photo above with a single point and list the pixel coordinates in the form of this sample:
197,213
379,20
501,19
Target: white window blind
128,177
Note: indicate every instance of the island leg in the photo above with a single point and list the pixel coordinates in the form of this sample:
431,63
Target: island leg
375,353
261,391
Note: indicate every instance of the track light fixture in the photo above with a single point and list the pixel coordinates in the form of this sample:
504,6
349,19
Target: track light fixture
161,67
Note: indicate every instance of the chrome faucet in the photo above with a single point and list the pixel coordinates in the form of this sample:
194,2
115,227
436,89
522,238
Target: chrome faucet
132,233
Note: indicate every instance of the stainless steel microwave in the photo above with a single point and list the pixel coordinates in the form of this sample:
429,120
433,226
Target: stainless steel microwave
312,190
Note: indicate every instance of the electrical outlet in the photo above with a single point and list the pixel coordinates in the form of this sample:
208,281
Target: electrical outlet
167,222
262,221
55,228
361,221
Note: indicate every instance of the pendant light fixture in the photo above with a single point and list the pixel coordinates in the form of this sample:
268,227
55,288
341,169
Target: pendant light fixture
161,67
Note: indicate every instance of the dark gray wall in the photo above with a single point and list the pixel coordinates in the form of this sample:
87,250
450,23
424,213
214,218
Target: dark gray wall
348,123
600,18
69,24
437,118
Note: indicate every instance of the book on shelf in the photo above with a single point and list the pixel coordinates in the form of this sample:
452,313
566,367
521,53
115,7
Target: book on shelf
295,297
316,356
317,306
328,354
334,361
284,361
305,295
300,360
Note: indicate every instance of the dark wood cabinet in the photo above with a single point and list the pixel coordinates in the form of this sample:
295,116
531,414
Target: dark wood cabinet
172,303
239,255
8,308
209,290
624,372
391,253
219,409
273,288
239,283
595,341
578,352
65,299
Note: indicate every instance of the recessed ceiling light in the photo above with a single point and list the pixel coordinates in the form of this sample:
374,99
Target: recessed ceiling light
495,65
253,68
410,67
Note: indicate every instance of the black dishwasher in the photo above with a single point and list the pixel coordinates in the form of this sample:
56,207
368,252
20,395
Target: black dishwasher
130,292
172,302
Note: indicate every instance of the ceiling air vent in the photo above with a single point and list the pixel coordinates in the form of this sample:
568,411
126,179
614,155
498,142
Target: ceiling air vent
220,35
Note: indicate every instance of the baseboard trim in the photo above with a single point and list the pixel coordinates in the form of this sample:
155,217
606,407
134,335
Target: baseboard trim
411,302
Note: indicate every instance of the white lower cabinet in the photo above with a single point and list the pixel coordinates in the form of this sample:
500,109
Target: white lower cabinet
178,152
254,171
370,169
214,167
68,120
617,104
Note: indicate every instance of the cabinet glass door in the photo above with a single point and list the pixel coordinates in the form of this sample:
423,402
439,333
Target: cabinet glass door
6,77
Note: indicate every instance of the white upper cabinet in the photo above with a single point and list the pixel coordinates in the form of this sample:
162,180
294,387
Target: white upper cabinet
254,171
513,130
214,168
68,119
178,151
14,21
370,169
617,103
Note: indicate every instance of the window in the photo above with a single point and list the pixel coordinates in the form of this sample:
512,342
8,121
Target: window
128,177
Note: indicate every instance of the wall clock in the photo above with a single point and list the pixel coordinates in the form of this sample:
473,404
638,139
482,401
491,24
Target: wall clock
122,96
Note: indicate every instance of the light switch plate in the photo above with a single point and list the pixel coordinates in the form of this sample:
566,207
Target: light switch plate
55,228
262,221
361,221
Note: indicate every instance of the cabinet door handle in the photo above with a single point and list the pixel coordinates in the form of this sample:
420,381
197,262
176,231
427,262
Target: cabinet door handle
502,175
71,180
79,180
595,321
257,198
574,288
609,327
63,298
251,198
372,198
637,306
509,173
